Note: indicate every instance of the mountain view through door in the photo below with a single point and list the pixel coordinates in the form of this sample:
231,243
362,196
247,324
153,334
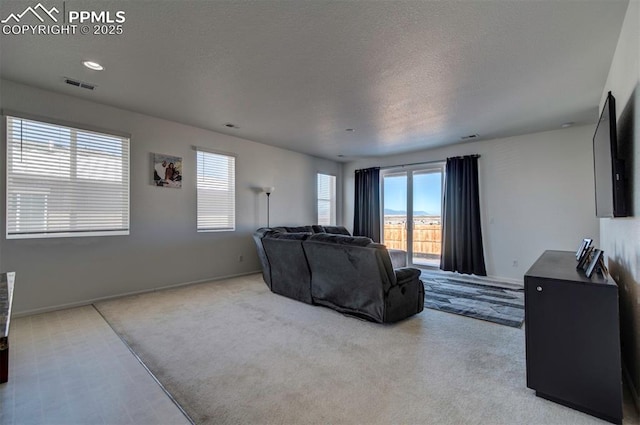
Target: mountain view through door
413,222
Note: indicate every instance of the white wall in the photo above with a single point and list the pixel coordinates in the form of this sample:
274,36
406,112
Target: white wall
621,236
163,247
536,193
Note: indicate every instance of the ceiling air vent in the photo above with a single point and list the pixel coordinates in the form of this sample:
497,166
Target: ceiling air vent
78,83
469,137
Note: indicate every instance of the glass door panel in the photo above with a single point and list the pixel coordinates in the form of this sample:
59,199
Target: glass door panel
427,217
394,206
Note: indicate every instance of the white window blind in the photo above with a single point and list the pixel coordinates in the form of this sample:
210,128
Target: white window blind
216,191
64,181
326,200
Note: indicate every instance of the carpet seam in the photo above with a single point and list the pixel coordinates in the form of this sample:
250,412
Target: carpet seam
162,387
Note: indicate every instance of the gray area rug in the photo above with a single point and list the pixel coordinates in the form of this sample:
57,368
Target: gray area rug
460,295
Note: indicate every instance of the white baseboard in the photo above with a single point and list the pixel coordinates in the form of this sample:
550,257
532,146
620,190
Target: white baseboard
516,282
126,294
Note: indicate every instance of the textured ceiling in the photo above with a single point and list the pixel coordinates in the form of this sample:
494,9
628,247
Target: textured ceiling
405,75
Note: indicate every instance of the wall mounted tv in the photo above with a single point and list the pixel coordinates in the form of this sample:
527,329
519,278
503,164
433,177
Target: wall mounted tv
608,167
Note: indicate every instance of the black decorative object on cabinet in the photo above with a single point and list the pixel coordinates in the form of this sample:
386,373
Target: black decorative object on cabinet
573,337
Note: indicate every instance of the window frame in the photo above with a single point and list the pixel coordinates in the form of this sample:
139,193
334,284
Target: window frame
43,189
234,157
333,202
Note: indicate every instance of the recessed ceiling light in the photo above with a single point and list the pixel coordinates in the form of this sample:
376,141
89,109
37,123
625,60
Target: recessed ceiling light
93,65
340,156
351,130
231,125
567,124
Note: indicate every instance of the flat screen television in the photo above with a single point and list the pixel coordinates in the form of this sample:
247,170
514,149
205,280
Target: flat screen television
608,167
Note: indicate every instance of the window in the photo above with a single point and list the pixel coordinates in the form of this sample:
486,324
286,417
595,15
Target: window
326,200
216,191
64,181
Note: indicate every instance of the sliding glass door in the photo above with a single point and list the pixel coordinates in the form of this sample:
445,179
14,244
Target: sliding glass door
412,213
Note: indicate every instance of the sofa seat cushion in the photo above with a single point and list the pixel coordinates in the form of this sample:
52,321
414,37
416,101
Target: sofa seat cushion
398,258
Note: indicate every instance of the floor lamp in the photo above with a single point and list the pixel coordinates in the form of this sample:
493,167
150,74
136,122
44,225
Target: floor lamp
268,191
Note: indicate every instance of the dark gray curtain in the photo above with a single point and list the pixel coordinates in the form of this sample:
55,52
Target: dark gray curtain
461,231
366,220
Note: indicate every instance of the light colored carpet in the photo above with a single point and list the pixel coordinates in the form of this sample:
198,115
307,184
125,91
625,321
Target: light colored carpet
231,352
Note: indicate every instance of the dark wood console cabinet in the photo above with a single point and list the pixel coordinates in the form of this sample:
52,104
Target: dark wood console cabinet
573,337
6,298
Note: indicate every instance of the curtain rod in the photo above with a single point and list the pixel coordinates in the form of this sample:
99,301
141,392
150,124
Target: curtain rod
425,163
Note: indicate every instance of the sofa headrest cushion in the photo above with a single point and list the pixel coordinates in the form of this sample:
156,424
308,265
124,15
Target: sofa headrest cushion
288,236
317,228
341,239
294,229
337,230
262,232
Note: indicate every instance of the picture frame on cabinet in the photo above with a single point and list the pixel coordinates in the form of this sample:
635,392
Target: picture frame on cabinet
586,243
602,267
584,258
596,257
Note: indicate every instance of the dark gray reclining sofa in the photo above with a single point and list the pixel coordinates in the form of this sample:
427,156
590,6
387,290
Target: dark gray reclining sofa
352,275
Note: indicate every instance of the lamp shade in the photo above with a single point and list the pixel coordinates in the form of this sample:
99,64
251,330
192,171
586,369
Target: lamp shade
268,190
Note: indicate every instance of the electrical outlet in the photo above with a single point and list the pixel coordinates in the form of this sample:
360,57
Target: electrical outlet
515,263
240,258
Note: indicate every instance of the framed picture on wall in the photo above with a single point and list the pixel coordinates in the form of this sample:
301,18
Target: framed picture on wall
167,170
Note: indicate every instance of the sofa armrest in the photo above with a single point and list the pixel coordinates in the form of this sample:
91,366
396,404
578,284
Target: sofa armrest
406,298
406,274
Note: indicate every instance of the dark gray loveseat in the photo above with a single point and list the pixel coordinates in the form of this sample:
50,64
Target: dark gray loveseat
352,275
